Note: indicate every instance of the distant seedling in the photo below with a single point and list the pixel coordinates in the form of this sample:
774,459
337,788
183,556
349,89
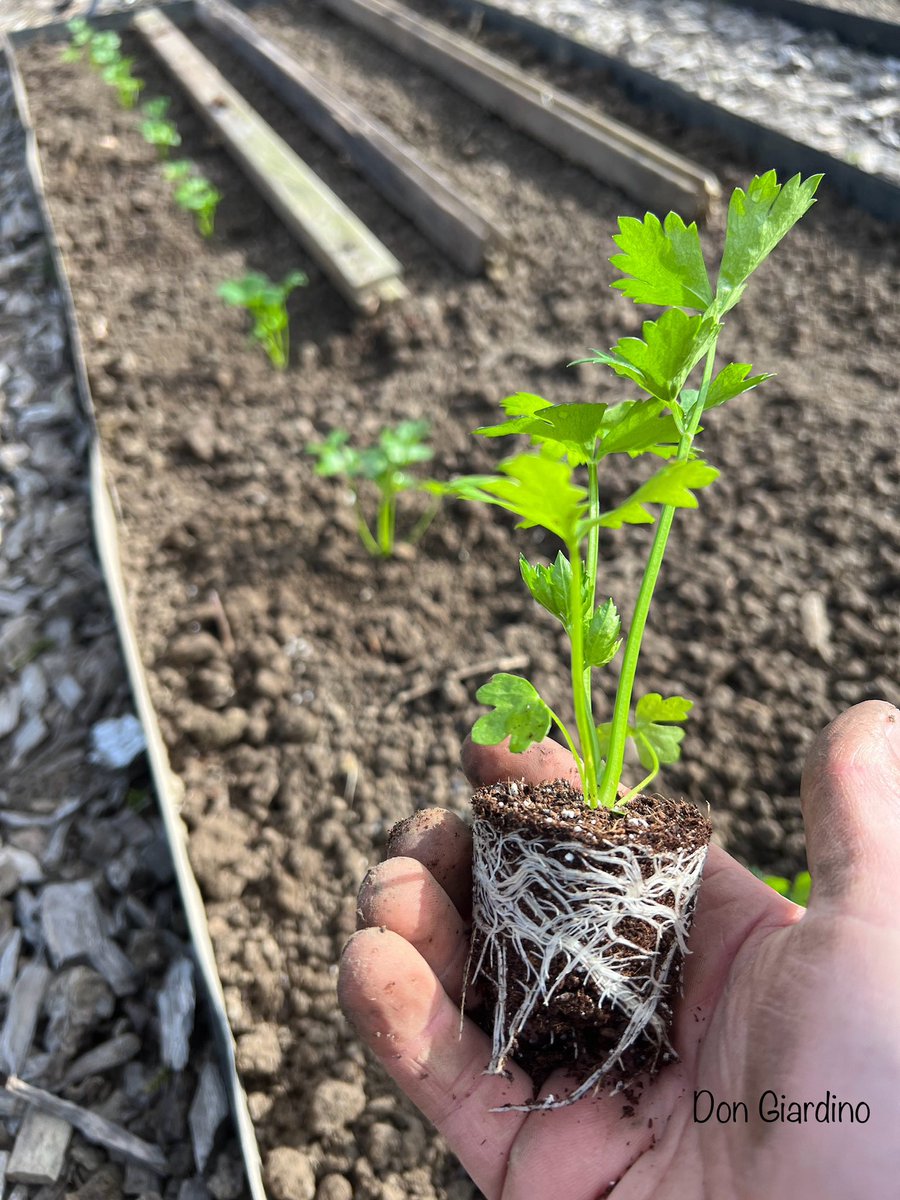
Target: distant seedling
266,302
796,890
104,52
155,127
194,194
386,465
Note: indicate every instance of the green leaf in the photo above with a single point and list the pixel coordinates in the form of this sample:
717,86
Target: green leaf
777,883
156,109
663,264
403,445
539,490
601,638
519,714
673,484
520,408
180,169
637,426
334,455
665,739
570,429
730,382
661,362
757,221
551,586
653,707
800,889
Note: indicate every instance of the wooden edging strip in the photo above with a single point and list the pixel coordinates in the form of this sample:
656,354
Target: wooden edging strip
447,219
362,269
769,147
614,153
167,785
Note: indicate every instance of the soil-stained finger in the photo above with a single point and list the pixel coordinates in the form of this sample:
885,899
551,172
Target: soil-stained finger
442,843
398,1007
540,763
403,896
850,796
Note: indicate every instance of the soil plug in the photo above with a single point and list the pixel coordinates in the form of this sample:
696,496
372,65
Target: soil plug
583,900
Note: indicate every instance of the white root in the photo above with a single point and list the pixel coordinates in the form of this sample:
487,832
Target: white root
561,913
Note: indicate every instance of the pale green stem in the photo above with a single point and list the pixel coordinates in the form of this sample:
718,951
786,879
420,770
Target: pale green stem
592,560
365,533
579,763
387,517
422,525
636,791
618,734
581,694
593,547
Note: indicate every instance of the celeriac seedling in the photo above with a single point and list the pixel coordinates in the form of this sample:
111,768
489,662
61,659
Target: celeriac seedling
104,50
661,264
80,39
266,302
386,465
128,87
199,196
796,890
157,130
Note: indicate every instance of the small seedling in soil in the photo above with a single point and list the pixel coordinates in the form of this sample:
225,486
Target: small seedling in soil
194,194
583,901
119,76
80,39
104,51
796,890
386,466
266,302
157,130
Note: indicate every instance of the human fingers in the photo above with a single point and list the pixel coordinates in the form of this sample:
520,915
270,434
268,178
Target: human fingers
850,796
732,903
398,1007
540,763
442,843
403,896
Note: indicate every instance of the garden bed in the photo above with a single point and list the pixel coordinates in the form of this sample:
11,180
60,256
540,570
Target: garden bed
296,746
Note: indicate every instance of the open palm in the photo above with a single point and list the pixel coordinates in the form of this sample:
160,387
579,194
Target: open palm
780,1006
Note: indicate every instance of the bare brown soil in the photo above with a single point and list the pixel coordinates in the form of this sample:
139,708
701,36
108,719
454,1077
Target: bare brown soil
296,752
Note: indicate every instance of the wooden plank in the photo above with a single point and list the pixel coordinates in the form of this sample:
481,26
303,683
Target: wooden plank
611,151
363,270
447,218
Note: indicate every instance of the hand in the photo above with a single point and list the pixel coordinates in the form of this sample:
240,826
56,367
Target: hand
776,1000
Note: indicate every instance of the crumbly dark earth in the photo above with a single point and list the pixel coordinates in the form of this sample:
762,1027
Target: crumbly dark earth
779,602
577,1030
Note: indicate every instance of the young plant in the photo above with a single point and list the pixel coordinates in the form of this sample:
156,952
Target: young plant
104,52
158,131
80,34
194,194
385,465
266,302
663,265
581,911
796,890
128,87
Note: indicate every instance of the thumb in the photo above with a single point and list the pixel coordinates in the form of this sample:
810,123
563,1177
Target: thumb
850,796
